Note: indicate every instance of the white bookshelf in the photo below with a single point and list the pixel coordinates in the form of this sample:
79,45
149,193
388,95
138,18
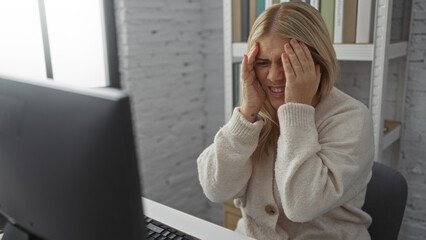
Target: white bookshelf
378,53
348,52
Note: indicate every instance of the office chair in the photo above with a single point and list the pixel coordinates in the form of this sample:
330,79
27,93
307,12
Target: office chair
385,202
2,222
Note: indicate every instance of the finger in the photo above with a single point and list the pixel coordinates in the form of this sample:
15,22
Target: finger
288,69
251,50
293,60
308,54
244,67
300,54
253,53
318,73
259,87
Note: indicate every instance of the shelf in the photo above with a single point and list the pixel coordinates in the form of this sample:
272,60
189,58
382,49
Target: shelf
231,215
392,134
344,52
364,52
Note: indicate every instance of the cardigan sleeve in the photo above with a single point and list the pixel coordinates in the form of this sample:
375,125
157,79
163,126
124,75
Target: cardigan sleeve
319,169
225,167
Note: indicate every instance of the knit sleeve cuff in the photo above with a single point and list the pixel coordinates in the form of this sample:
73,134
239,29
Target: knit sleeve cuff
239,126
296,115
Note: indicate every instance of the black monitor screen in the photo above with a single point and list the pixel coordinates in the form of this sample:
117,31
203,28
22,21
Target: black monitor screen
68,167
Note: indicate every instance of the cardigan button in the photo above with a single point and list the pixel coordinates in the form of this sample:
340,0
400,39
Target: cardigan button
270,209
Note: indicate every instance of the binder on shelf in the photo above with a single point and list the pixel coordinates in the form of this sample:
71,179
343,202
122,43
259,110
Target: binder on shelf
252,14
349,21
327,12
365,21
316,4
345,21
236,20
260,7
245,24
338,22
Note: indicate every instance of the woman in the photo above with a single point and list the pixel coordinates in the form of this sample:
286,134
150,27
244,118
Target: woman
297,154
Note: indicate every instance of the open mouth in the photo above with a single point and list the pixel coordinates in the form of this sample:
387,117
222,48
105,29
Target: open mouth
276,91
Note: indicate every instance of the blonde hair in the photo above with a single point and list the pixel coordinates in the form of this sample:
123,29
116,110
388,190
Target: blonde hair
304,23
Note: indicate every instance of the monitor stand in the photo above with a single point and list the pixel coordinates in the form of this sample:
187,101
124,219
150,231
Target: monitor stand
11,232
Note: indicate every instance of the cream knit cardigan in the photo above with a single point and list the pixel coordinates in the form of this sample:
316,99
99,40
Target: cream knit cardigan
315,181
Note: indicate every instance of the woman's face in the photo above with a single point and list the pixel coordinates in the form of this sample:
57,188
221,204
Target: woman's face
269,68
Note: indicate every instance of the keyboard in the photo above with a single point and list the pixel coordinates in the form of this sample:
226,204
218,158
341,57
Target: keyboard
158,230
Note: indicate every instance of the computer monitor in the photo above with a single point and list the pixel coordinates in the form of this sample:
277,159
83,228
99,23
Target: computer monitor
68,166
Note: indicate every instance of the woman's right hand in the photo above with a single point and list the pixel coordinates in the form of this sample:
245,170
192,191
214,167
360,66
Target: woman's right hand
253,93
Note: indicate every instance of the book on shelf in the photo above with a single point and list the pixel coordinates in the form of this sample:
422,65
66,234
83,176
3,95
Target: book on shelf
244,13
345,21
236,88
315,4
236,20
269,3
245,20
338,21
252,14
327,13
306,1
260,7
365,21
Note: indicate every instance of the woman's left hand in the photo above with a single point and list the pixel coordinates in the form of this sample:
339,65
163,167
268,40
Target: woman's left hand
302,74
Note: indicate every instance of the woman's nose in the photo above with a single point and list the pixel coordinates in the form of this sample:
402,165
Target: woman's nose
276,73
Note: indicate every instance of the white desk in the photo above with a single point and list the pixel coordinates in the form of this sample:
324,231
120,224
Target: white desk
187,223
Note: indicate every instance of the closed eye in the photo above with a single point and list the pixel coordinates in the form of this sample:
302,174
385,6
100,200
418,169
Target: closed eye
262,63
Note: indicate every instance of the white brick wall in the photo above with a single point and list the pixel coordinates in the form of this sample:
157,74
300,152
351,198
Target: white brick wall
413,157
213,50
212,35
163,50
